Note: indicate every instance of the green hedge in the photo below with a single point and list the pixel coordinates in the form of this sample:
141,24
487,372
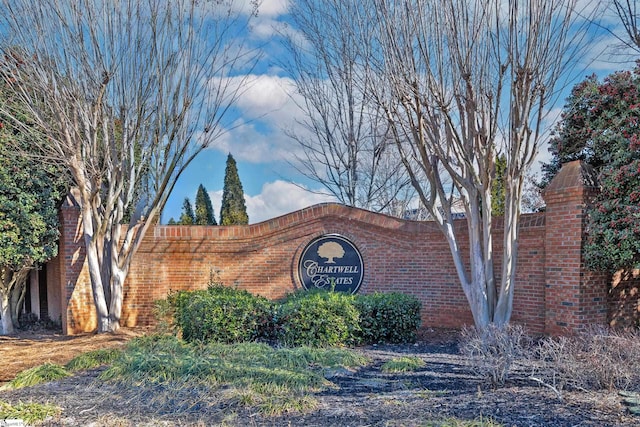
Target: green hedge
222,314
313,318
388,317
317,319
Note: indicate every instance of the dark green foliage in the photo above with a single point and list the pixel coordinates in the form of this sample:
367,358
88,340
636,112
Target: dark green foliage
498,186
233,210
315,318
388,317
30,192
600,126
222,314
204,209
28,213
318,319
187,217
613,241
572,139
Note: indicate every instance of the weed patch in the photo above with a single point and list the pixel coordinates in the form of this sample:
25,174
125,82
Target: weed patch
28,412
40,374
252,374
403,364
93,359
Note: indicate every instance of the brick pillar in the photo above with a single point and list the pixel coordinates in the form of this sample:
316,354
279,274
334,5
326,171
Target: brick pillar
574,297
77,311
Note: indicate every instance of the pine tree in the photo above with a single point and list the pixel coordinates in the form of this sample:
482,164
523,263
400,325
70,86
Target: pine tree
187,217
234,210
204,209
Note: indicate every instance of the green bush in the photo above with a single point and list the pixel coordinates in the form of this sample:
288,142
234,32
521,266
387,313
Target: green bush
388,317
318,319
222,314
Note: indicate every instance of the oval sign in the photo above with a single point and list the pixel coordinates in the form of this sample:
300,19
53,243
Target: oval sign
331,262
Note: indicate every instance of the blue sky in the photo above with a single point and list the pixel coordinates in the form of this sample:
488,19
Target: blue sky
258,141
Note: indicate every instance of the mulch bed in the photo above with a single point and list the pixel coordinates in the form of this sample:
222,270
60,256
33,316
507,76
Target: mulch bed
445,387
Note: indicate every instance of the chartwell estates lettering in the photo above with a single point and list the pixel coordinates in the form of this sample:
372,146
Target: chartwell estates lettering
331,262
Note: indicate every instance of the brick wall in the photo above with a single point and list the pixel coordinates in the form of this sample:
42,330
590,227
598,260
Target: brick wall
412,257
575,297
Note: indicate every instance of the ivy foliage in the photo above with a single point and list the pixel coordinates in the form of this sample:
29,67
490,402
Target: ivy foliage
601,126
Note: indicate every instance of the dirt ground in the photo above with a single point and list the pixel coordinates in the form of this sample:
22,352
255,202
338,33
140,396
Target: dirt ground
445,387
32,348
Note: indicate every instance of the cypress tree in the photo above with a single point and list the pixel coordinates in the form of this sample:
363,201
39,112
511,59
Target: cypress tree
204,209
187,217
498,187
233,210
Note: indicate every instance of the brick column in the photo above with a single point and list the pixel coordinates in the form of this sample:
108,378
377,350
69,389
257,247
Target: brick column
77,310
574,297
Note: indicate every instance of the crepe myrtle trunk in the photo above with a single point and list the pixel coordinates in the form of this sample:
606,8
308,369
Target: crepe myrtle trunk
11,288
5,312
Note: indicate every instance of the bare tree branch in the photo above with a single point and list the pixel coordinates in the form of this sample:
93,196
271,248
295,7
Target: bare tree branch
127,94
344,139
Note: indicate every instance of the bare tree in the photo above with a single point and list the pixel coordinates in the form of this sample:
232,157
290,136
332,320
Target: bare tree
127,93
460,82
344,143
627,12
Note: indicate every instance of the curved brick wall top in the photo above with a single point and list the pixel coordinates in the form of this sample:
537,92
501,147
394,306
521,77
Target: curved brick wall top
291,220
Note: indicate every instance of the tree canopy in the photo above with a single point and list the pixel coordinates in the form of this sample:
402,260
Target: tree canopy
204,209
233,210
187,217
600,127
29,197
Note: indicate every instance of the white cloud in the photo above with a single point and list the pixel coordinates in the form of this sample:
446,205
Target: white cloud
280,197
249,144
265,107
269,95
273,7
276,198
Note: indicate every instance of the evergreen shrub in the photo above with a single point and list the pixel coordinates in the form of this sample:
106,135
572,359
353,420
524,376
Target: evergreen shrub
222,314
318,319
312,318
388,317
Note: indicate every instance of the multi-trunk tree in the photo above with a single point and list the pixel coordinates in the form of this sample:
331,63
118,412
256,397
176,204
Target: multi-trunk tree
460,82
126,93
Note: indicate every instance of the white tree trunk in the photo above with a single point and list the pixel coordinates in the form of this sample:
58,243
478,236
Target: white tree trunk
504,306
5,312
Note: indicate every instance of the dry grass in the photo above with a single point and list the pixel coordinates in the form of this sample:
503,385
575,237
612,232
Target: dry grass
28,350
